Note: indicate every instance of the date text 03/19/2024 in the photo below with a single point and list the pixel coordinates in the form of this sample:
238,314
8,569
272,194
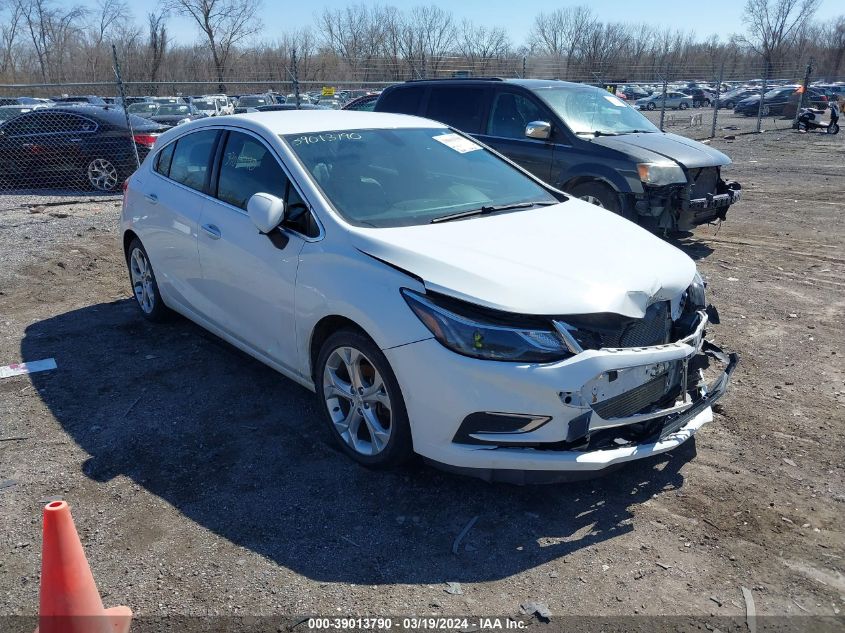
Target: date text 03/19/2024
414,623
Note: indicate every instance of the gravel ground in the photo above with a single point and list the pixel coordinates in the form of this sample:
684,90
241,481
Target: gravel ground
202,484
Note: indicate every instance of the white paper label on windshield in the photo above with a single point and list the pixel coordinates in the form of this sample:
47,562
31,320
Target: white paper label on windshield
457,142
615,101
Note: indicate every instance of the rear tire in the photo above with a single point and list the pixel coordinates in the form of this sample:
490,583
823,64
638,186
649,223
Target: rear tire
683,106
144,284
650,105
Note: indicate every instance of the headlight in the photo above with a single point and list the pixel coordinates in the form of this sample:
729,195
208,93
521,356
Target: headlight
473,336
662,173
695,293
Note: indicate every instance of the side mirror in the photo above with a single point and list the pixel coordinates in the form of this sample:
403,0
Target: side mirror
538,129
266,211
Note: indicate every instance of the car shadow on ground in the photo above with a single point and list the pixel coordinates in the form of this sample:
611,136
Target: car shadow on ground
689,244
241,451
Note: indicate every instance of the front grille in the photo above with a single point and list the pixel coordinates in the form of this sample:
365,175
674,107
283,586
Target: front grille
655,328
704,181
633,401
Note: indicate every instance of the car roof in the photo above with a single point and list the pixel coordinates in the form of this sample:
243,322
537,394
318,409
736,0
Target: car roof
307,121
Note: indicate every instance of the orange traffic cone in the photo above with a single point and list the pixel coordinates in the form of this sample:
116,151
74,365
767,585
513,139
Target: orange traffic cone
70,602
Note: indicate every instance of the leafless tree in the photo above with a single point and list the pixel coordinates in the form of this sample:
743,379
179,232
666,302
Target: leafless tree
355,34
109,18
560,33
10,21
480,46
156,46
427,34
226,24
51,30
772,25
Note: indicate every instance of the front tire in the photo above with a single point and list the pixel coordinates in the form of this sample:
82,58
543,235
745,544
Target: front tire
766,110
144,284
601,195
650,105
683,106
833,128
362,402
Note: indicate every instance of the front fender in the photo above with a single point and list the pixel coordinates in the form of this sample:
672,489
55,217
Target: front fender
623,182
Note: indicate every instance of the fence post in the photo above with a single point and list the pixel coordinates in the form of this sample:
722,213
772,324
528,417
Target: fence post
295,77
523,67
716,100
663,104
123,103
803,90
763,91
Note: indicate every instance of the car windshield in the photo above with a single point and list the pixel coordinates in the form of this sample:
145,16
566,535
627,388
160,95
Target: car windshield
252,101
205,106
142,108
166,109
404,177
591,110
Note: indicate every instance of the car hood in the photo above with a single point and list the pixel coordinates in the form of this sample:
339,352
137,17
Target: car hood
566,259
749,100
656,145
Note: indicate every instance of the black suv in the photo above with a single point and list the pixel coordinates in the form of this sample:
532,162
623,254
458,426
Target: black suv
583,140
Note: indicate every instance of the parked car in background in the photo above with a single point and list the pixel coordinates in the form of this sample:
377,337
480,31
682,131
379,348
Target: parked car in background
84,144
85,99
251,101
581,140
364,103
13,101
730,98
171,114
700,97
775,101
11,111
408,276
674,101
168,100
632,93
284,107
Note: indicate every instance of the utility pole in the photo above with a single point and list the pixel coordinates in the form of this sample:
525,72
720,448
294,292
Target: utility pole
716,100
117,76
523,66
803,90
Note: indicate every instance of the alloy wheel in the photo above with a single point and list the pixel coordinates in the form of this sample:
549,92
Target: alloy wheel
358,401
142,280
592,200
102,174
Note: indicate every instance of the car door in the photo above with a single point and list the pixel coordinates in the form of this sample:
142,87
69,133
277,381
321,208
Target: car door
248,277
61,146
19,149
504,131
171,197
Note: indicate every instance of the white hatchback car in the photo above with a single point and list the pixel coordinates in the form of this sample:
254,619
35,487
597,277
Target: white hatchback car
439,299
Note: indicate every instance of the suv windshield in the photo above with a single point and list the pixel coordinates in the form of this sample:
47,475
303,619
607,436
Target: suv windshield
589,110
166,109
250,102
404,177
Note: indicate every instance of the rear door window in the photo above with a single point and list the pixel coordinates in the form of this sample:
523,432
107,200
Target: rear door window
192,157
461,107
405,100
164,158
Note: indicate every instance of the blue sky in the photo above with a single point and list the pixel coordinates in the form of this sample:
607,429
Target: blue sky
721,17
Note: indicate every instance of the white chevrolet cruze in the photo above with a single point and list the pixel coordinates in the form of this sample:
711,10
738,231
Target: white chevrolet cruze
439,299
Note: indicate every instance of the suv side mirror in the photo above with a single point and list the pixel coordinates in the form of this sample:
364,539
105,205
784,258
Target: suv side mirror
538,129
266,211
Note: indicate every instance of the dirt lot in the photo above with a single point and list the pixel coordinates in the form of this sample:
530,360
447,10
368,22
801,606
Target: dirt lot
202,484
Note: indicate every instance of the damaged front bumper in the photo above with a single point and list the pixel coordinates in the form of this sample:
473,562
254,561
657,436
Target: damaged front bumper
569,420
683,207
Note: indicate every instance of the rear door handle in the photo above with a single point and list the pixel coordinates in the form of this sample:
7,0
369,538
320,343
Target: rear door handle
151,198
212,231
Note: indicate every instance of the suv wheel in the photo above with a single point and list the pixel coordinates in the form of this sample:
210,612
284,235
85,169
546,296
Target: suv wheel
601,195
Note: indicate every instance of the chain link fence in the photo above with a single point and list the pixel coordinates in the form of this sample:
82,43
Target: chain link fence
80,137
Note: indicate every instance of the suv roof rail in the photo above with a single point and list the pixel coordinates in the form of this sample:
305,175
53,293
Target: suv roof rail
456,79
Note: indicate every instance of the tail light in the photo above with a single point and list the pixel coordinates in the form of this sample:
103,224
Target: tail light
823,98
147,140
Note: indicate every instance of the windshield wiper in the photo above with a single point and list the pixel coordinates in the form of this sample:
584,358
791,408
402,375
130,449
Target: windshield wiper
492,209
600,133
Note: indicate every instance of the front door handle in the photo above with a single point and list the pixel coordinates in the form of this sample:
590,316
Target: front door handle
212,231
151,198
